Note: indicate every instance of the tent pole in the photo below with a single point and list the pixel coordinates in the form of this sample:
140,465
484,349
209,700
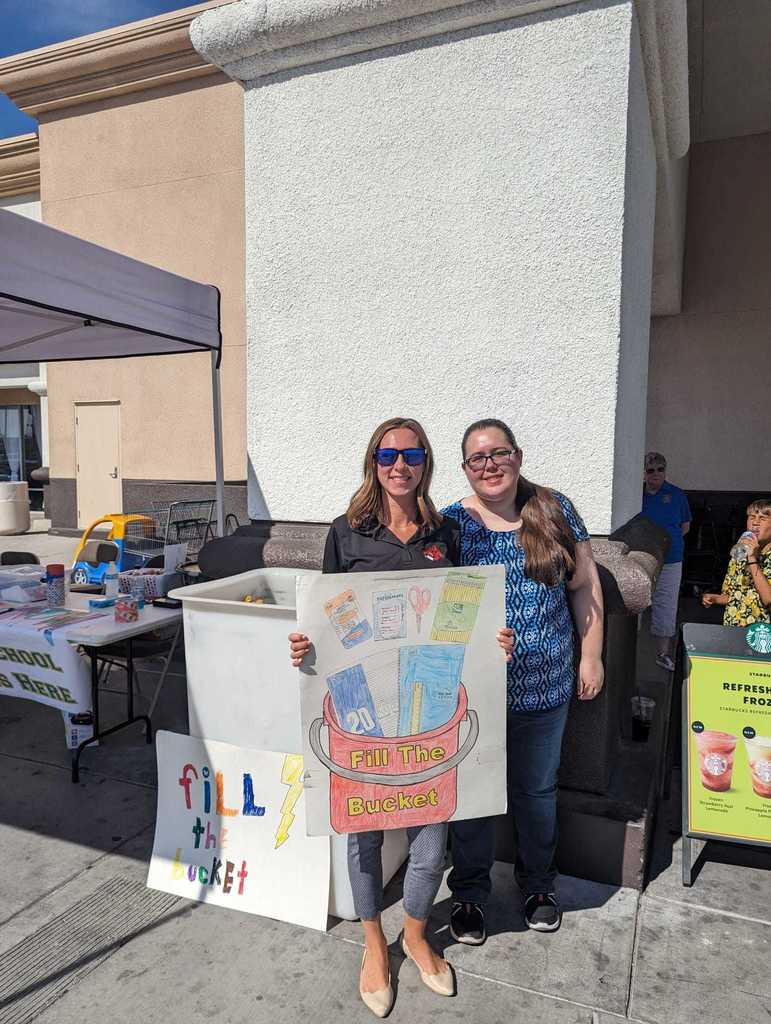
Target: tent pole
219,468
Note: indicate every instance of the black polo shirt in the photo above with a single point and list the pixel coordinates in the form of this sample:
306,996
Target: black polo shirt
376,549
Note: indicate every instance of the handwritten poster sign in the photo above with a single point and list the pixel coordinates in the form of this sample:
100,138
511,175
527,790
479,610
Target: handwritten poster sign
37,663
230,830
403,713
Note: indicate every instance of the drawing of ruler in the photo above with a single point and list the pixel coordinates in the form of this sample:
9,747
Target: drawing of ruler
458,607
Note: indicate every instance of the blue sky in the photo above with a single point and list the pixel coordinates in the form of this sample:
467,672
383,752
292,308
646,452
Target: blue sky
28,24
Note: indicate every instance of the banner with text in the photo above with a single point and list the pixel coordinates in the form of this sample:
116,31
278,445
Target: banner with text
37,663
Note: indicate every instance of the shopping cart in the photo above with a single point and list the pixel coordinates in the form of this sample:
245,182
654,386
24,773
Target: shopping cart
177,522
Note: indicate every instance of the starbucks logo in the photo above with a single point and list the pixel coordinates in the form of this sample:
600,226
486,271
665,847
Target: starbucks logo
758,637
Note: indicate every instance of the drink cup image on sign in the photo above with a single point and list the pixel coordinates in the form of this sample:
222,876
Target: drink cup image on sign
716,759
759,758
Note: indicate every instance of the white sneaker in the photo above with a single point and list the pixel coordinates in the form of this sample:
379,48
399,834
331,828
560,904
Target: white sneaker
665,662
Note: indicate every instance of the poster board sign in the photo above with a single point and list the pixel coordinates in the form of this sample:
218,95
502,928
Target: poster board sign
230,830
727,735
36,661
403,697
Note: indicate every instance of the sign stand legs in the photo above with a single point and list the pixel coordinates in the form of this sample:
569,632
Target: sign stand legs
687,860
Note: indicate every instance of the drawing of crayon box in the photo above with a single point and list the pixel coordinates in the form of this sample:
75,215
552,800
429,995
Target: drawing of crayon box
384,782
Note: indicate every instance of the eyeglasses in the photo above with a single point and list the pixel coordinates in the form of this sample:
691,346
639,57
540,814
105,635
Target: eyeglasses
655,469
478,463
411,456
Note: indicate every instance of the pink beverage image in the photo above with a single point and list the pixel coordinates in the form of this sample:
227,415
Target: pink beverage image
716,759
759,757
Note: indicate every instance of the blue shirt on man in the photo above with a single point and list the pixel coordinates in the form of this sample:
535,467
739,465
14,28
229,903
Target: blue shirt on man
669,508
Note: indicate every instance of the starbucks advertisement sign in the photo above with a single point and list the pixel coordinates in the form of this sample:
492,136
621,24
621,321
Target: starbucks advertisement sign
728,736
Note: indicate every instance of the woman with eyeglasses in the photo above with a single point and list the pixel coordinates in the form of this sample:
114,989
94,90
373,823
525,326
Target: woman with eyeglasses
552,585
392,524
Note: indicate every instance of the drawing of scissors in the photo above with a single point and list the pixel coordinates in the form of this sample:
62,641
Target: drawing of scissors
420,599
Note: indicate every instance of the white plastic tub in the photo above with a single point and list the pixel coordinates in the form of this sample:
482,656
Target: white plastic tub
242,689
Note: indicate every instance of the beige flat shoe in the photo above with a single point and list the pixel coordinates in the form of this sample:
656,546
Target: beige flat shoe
381,1001
443,983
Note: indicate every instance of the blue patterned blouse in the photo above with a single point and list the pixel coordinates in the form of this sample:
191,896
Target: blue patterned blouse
541,674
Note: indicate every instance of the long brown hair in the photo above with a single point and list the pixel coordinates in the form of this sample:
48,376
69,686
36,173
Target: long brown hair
367,506
546,537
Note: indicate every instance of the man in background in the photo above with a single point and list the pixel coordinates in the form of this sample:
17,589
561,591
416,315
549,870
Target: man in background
667,506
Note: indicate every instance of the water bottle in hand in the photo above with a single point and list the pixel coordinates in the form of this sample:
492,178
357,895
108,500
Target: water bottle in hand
739,551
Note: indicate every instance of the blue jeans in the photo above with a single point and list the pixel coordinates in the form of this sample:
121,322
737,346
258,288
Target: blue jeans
533,744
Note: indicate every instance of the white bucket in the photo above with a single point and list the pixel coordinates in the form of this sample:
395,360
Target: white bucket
242,689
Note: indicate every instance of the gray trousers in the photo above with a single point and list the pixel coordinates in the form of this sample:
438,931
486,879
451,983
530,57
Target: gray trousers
421,882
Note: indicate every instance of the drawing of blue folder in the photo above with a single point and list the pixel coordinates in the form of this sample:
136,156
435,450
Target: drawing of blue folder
429,679
353,702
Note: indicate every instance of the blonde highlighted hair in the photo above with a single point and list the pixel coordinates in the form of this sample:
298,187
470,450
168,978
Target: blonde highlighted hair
367,506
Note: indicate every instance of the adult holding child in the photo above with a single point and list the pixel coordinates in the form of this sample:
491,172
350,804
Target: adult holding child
392,524
552,588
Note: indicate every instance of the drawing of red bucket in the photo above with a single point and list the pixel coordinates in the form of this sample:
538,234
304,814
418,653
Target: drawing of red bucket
393,781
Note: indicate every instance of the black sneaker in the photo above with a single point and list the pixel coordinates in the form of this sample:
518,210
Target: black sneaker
467,923
542,912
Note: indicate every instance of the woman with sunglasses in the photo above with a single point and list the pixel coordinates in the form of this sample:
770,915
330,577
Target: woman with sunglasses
392,524
551,584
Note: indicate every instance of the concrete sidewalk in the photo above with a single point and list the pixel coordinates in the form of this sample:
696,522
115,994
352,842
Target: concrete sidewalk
82,940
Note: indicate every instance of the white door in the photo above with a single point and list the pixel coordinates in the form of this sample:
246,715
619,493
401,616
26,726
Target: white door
97,453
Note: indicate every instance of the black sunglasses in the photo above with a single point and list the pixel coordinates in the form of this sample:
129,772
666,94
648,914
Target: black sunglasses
411,456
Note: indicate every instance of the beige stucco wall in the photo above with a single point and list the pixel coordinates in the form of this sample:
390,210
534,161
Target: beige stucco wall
157,175
709,404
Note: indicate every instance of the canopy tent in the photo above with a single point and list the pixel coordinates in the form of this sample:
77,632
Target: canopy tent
64,299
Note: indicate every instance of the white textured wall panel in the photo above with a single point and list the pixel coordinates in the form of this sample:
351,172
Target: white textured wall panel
436,230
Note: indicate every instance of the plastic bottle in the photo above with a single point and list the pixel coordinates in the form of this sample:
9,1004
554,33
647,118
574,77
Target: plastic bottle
111,581
55,585
739,551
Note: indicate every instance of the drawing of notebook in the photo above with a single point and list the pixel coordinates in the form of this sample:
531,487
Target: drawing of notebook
429,679
345,615
353,702
382,675
458,607
389,608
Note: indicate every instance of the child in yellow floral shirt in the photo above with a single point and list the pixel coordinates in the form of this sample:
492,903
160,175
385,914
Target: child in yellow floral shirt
746,591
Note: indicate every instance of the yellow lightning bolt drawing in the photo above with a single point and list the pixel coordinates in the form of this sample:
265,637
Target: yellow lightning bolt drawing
291,775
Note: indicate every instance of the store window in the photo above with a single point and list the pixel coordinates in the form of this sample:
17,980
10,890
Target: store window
20,447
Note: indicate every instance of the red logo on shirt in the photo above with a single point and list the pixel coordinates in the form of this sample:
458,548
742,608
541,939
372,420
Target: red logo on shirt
433,553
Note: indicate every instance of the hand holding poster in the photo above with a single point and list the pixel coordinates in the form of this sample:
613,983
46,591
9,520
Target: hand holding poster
404,713
230,830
